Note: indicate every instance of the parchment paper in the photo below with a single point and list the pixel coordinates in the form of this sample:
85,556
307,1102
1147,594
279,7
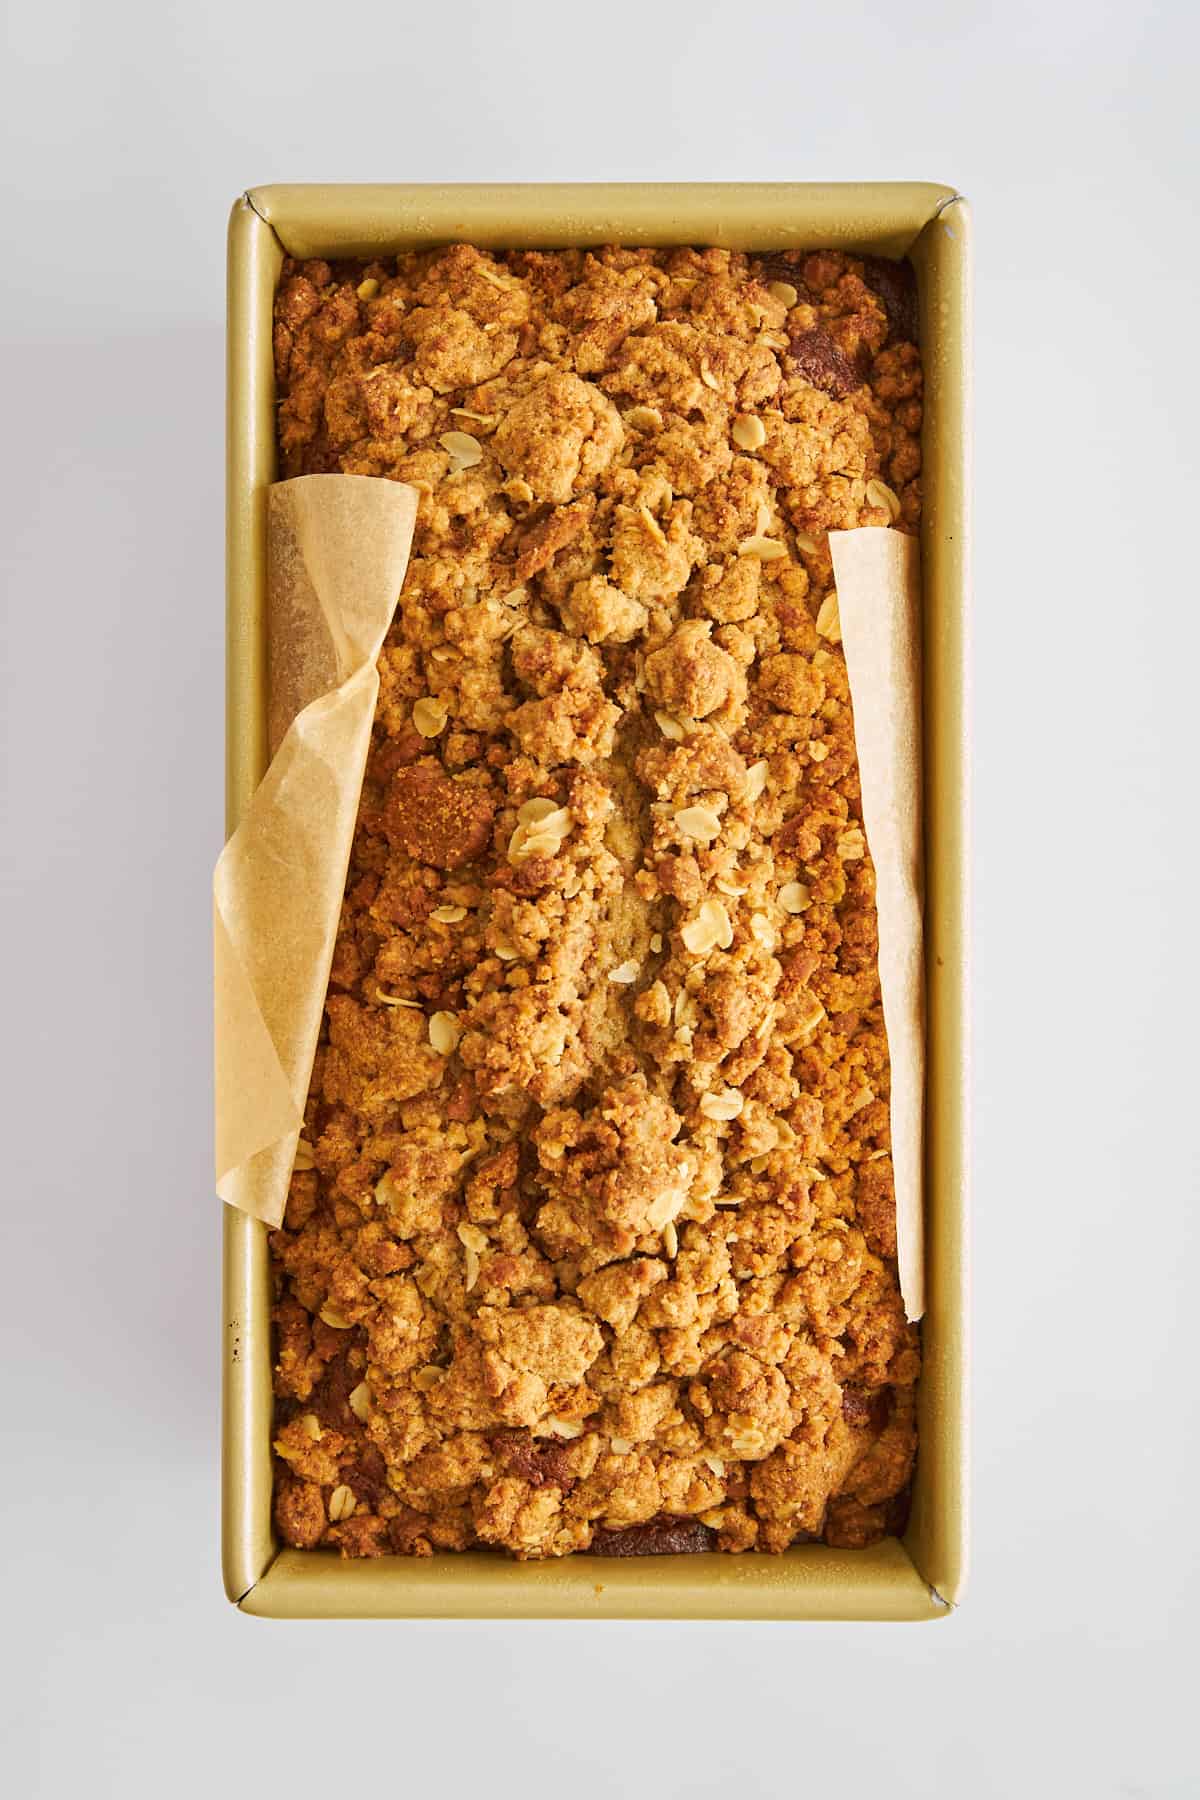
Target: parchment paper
338,548
877,574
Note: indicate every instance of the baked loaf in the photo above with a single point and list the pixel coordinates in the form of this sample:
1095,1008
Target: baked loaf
591,1238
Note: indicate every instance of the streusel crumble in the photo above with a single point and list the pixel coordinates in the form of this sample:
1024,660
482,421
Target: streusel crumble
591,1239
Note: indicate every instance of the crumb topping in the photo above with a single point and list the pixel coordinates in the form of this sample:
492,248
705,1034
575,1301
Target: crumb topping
590,1244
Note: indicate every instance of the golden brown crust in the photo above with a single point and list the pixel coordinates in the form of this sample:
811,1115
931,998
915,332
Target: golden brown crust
591,1243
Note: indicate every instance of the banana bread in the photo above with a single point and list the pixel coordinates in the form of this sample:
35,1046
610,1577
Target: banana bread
590,1243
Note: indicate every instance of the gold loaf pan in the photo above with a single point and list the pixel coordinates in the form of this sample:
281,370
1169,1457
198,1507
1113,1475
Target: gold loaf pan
922,1575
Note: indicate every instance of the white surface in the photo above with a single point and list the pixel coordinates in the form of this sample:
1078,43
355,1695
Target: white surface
128,130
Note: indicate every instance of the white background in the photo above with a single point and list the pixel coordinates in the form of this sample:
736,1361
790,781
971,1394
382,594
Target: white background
127,132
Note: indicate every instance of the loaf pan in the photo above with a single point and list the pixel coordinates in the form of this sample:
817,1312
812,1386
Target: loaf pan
920,1576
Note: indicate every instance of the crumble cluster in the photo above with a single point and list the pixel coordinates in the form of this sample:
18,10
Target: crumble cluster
591,1238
